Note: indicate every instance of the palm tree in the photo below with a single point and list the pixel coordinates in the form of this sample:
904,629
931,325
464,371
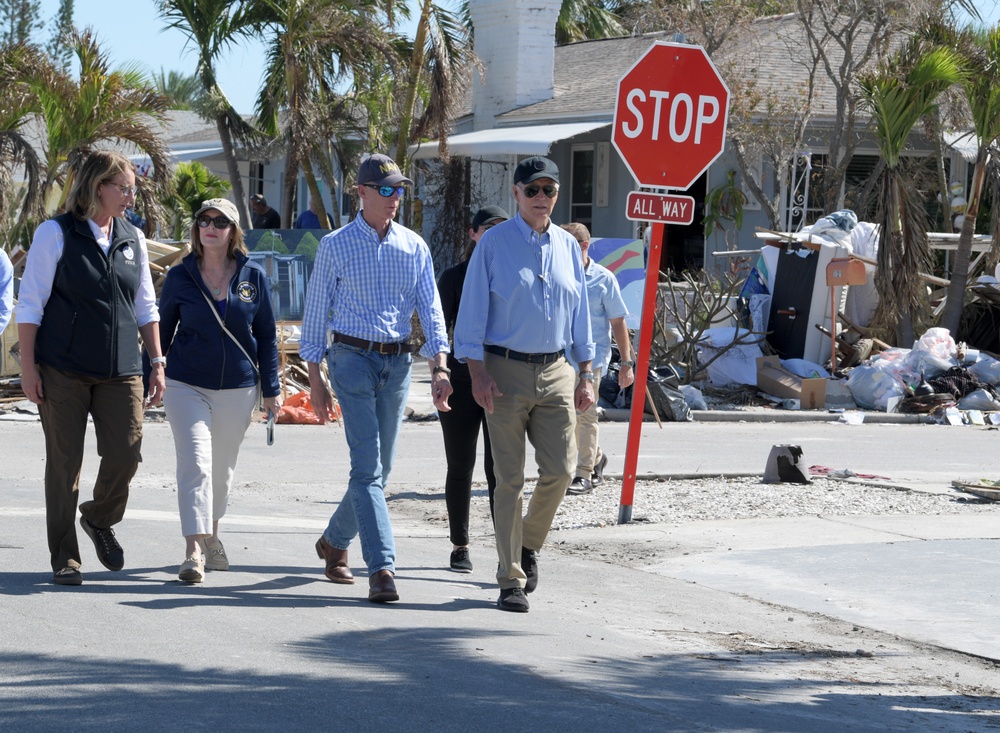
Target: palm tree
982,92
312,46
193,184
183,91
212,25
99,106
439,60
898,94
18,62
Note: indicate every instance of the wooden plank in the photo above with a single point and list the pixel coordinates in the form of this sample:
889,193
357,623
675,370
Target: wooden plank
985,490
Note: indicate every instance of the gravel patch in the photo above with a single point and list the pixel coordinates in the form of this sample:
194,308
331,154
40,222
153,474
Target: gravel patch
680,501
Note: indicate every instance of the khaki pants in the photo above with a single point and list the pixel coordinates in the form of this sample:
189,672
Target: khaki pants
116,406
589,450
537,402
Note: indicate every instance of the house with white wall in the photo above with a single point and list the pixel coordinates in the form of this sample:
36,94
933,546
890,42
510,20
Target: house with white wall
536,98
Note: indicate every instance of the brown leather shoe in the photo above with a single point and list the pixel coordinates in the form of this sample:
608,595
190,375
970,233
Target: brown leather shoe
382,588
337,569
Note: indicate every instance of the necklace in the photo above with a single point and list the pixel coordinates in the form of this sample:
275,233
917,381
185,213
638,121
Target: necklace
216,284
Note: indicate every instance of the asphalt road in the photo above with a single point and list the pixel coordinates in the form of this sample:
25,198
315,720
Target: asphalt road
812,624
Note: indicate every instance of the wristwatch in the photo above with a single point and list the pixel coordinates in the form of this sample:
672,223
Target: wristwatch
587,376
629,363
441,370
159,360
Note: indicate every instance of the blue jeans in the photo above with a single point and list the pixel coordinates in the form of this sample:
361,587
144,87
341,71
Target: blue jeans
371,389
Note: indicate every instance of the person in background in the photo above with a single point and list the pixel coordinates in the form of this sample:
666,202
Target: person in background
524,305
461,425
607,317
85,298
264,217
218,331
370,277
6,290
309,219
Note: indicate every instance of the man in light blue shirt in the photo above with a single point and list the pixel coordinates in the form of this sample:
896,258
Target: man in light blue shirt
6,290
368,279
524,307
607,316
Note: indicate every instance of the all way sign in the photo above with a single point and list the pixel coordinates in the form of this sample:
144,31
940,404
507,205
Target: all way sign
667,208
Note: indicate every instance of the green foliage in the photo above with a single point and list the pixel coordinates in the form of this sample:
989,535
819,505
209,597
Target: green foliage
182,91
60,47
724,204
308,246
271,242
19,19
193,184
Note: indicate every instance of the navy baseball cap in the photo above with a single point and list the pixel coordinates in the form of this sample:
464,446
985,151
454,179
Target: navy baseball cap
381,170
531,169
487,214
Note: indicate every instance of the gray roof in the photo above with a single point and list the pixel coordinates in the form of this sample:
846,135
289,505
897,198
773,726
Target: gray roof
770,51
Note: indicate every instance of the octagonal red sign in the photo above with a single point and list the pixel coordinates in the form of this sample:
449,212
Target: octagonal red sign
670,115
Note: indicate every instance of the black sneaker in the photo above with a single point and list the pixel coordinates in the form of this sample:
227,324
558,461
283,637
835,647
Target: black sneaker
579,486
68,576
529,564
460,561
513,599
597,477
109,552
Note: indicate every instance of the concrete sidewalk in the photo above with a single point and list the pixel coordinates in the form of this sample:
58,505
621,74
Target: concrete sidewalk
795,624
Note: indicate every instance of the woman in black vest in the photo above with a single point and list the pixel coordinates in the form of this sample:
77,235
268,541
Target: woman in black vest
85,298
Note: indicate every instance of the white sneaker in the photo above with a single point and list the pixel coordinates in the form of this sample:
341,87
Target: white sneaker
192,570
215,555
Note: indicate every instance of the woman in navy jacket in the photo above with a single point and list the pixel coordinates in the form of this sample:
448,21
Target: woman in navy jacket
218,331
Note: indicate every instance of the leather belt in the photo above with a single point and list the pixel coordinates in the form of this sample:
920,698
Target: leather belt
400,347
520,356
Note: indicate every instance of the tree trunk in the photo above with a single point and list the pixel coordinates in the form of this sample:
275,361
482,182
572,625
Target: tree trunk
288,195
952,316
229,153
315,194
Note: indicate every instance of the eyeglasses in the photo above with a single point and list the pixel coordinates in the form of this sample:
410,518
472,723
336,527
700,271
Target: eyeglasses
387,191
125,190
550,190
220,222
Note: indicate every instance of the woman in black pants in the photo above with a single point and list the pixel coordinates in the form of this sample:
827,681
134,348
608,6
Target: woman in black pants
461,425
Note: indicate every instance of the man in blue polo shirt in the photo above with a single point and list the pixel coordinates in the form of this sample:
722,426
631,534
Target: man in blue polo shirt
524,306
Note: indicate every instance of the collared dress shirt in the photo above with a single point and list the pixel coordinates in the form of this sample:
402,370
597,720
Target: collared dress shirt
525,291
47,249
604,297
367,287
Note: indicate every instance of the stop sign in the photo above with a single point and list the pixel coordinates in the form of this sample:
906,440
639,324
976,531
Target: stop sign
670,115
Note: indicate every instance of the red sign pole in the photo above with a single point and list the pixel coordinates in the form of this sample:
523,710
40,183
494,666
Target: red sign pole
646,327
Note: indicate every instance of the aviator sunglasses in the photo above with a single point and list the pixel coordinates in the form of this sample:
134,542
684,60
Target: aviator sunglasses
386,191
220,222
550,190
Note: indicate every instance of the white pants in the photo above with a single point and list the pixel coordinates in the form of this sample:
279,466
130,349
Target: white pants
208,427
588,449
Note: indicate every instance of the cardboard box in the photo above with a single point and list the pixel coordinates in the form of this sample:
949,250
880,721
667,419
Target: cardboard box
778,381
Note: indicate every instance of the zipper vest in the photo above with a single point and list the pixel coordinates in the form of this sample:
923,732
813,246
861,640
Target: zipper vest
88,325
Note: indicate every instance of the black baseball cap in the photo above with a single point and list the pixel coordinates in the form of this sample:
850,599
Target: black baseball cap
487,214
259,198
531,169
381,170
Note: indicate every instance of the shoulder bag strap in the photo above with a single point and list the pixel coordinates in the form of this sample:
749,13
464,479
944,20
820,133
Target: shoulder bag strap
215,312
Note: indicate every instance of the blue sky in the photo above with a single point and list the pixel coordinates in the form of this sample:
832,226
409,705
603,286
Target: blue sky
133,32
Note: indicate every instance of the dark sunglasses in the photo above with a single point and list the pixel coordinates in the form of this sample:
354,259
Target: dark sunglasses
550,190
387,191
220,222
